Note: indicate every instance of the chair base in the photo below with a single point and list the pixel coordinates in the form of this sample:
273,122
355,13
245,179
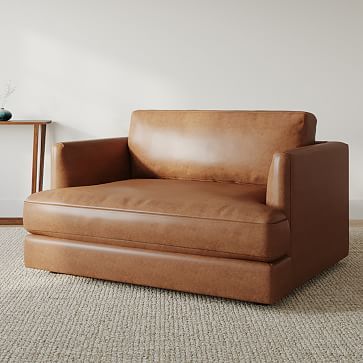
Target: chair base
253,281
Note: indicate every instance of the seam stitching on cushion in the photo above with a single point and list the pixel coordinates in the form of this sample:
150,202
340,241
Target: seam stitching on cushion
151,213
152,243
214,181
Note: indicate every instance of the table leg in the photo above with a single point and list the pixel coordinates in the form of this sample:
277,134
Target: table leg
41,161
35,158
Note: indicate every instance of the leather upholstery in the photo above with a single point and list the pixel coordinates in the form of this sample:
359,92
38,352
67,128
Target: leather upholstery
311,186
253,281
89,162
203,218
239,204
235,146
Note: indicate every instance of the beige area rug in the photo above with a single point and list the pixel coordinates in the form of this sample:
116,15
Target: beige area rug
47,317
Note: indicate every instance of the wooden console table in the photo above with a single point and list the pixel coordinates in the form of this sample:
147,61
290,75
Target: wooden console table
39,126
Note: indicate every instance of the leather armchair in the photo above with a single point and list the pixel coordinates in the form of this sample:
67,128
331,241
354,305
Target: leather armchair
239,204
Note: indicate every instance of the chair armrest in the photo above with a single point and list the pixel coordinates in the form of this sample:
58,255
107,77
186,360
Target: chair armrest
90,162
311,186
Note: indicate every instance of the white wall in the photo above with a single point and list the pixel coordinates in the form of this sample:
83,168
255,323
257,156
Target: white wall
87,64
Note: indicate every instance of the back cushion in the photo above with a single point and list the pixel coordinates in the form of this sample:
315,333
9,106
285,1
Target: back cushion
227,146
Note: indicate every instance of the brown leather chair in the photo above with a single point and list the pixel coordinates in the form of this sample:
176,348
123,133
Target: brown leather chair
238,204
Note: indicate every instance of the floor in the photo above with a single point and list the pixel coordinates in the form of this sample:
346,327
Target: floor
47,317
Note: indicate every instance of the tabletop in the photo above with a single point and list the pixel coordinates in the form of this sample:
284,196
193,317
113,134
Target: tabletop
25,122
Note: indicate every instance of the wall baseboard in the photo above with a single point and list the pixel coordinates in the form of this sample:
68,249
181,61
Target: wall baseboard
11,221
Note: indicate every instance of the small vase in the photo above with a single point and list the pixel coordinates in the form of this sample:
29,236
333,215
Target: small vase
5,115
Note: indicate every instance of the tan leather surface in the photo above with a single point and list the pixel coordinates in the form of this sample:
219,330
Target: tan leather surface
311,186
195,234
89,162
278,186
205,218
232,146
237,279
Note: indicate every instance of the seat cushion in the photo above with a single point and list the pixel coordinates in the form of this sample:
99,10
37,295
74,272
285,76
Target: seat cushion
204,218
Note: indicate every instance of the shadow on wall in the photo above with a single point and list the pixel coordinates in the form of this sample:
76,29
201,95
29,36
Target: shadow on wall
59,132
